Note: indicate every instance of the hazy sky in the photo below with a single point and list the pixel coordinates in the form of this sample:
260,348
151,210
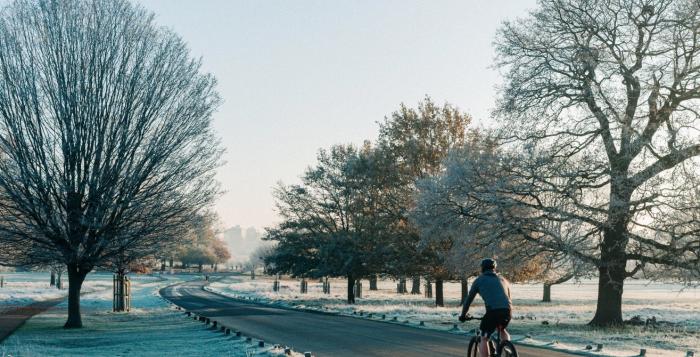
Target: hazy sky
297,76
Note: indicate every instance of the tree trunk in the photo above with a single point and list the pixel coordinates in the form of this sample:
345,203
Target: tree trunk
464,282
610,284
76,276
171,262
401,288
613,258
351,287
439,297
415,285
53,278
373,283
547,293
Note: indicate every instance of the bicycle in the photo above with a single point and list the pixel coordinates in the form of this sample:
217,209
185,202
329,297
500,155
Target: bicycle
505,348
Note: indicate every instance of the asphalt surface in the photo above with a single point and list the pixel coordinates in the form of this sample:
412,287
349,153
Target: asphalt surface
324,334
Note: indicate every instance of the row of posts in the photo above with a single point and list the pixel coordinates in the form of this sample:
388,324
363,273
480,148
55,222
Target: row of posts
357,289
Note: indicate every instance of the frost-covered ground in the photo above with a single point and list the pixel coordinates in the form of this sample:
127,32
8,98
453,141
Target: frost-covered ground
22,289
152,328
566,317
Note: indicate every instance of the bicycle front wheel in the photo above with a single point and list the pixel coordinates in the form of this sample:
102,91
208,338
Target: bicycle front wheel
507,350
473,350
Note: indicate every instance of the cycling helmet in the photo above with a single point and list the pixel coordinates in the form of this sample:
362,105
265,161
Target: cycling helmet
488,264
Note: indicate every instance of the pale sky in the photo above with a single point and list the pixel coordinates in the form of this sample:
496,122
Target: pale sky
296,76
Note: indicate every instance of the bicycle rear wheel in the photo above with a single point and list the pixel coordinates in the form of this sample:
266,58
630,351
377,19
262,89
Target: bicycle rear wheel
473,350
507,349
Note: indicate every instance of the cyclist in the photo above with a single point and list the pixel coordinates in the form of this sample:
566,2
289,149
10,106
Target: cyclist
495,291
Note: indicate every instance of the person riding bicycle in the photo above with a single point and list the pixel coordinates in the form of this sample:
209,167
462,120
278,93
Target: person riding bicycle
495,291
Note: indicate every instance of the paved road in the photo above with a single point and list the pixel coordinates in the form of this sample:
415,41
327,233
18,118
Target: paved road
323,334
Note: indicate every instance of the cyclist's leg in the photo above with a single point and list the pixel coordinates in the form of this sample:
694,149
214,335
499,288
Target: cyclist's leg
504,335
503,322
484,347
487,327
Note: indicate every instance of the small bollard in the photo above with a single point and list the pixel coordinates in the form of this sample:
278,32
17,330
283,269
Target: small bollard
188,313
421,323
228,331
248,340
642,352
690,354
395,319
213,324
383,317
600,347
307,354
238,334
207,321
261,343
223,328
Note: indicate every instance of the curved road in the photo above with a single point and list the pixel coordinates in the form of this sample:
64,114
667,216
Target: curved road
323,334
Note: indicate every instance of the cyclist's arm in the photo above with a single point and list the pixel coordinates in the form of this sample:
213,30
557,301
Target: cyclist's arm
470,298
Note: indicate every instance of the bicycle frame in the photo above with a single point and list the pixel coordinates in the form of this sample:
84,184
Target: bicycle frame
495,343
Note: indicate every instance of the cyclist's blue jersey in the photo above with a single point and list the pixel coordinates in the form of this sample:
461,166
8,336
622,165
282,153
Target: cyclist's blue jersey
494,290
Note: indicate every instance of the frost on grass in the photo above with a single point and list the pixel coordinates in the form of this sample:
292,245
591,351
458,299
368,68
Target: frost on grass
152,328
566,317
21,289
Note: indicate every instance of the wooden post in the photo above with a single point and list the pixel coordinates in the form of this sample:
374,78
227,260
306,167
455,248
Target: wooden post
121,288
326,286
428,289
358,289
303,286
53,278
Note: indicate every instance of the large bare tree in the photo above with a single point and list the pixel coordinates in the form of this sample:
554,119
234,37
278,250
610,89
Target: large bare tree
105,134
603,96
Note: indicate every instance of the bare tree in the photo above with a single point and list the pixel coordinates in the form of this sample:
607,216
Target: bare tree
603,95
105,134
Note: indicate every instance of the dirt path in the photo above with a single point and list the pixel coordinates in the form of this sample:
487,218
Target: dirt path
14,318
